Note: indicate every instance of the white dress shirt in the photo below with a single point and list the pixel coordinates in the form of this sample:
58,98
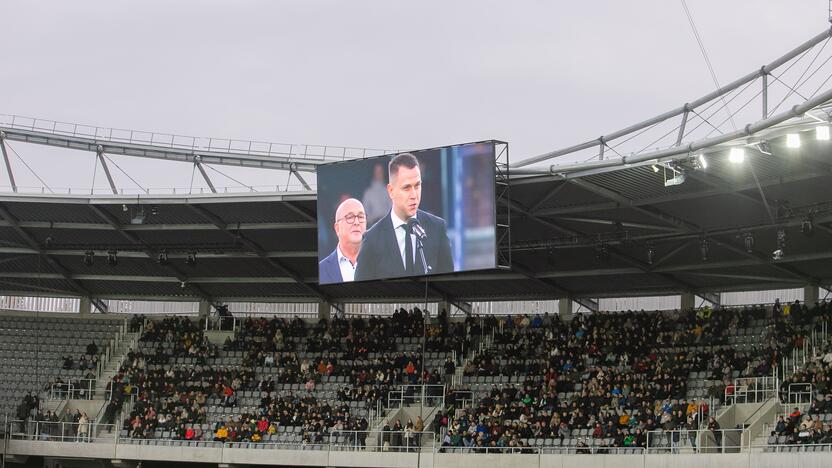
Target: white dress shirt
347,267
400,228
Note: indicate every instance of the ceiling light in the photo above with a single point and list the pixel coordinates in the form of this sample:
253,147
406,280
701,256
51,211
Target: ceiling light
808,226
654,167
792,140
89,258
704,249
736,155
190,258
703,162
748,239
822,132
162,258
651,254
112,257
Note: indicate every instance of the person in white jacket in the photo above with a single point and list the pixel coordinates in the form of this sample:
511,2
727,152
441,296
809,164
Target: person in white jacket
83,428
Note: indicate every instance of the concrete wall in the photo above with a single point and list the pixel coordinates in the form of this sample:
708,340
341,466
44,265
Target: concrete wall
400,460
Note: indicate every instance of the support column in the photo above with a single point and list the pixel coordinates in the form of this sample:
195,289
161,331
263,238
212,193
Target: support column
565,310
85,308
204,309
811,294
324,310
688,301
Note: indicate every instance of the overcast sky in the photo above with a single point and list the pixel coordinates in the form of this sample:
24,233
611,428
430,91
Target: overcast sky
382,74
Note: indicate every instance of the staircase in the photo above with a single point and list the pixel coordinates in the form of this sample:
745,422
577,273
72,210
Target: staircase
116,359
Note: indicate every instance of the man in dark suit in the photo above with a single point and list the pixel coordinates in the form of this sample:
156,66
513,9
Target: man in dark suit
390,249
350,225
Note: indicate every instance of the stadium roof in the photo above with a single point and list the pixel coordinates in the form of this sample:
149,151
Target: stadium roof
608,227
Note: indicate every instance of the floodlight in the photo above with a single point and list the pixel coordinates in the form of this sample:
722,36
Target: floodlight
736,155
808,226
822,132
748,239
112,257
703,162
792,140
89,258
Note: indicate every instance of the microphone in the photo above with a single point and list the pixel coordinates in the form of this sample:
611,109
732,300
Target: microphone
417,229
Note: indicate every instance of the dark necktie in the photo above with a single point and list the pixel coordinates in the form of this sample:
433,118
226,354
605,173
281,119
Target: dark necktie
408,252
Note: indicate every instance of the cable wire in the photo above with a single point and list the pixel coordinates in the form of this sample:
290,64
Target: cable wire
229,177
705,56
126,174
28,167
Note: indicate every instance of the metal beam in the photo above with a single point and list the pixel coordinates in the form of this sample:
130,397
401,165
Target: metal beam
99,153
149,252
294,171
692,105
687,225
227,158
160,227
300,211
644,267
8,163
547,197
259,251
142,254
611,222
63,271
198,164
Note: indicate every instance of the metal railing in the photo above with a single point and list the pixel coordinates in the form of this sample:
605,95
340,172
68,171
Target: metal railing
694,441
752,390
411,395
80,389
800,395
57,431
191,143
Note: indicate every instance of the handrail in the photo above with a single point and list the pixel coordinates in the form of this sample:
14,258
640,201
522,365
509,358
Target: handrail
193,144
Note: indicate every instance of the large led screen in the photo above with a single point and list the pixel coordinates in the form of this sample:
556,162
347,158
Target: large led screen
409,214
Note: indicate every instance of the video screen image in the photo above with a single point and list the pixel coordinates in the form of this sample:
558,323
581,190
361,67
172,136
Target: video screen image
410,214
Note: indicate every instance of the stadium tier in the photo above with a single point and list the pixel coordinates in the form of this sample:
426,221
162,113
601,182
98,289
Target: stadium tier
603,383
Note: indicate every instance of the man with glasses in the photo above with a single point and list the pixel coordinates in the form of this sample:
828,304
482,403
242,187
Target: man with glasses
350,224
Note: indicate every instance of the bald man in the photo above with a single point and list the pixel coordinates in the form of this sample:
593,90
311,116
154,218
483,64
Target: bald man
350,224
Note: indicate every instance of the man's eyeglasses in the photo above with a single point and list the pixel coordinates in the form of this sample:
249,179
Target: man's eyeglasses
352,218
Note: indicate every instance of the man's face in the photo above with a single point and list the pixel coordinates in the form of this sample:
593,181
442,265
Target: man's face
405,190
350,233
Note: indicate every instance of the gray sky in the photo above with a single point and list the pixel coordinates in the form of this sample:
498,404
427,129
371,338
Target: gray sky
382,74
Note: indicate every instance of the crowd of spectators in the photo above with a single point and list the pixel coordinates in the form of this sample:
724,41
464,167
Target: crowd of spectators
608,376
615,376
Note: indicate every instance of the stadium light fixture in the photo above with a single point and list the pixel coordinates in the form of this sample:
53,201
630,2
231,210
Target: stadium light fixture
162,259
792,140
655,168
822,133
703,163
736,155
112,257
89,258
190,259
808,226
705,249
748,239
651,254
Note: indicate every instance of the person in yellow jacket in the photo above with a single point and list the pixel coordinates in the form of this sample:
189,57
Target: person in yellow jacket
222,434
